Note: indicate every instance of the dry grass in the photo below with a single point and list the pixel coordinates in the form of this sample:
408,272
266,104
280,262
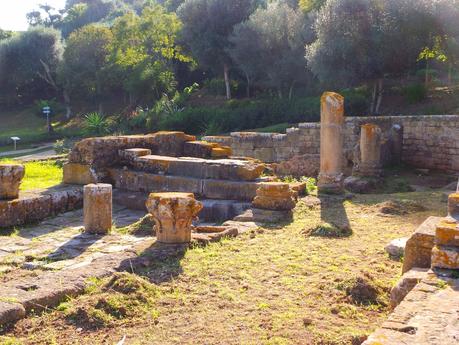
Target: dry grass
276,286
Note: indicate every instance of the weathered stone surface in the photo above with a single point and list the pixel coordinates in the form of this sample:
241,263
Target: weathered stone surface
11,176
103,152
97,208
428,315
297,166
418,249
453,206
405,284
173,214
221,210
396,248
331,143
447,233
299,188
225,169
11,312
370,151
205,234
221,152
33,206
445,257
362,185
200,149
80,174
129,155
136,181
264,216
274,196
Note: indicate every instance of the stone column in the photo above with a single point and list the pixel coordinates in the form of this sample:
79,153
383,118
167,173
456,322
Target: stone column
11,176
453,206
370,151
173,214
97,208
331,143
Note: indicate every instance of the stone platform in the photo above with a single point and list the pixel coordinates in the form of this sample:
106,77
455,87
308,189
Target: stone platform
224,169
139,181
429,315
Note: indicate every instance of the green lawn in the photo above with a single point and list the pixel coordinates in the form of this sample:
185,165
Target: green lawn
39,174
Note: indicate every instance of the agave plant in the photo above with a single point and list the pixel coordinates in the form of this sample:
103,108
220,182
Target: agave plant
96,123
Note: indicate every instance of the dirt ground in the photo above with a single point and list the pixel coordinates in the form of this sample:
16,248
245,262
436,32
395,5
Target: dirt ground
322,279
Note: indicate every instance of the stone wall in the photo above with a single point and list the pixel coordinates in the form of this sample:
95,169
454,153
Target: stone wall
428,141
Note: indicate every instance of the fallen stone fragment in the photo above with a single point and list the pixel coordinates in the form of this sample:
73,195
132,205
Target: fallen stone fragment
396,248
11,176
11,312
264,216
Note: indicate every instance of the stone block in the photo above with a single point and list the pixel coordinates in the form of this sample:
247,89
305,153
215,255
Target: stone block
445,257
80,174
97,208
129,155
447,233
229,190
200,149
221,152
11,176
418,249
275,196
396,248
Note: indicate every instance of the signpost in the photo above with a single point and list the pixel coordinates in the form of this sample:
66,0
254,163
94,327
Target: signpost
47,111
15,140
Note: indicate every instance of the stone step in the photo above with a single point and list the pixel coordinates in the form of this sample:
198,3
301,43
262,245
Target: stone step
139,181
220,169
213,210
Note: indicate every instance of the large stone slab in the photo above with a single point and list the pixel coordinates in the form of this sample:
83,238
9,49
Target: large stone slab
428,315
225,169
137,181
33,206
103,152
418,249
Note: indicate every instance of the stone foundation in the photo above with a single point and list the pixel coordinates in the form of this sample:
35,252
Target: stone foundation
33,206
429,142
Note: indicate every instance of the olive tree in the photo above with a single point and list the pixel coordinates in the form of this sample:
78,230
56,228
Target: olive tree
362,41
269,47
207,26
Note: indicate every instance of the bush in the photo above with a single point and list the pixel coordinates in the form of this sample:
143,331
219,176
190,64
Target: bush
414,93
62,146
96,124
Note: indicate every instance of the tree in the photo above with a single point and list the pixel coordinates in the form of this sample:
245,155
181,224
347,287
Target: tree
362,41
207,26
144,49
28,62
269,46
85,71
4,34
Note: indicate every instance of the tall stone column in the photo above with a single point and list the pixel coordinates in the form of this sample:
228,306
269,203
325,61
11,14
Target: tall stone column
97,208
331,143
11,176
370,151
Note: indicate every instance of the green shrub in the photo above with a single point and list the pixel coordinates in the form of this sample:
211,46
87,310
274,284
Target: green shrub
62,146
414,93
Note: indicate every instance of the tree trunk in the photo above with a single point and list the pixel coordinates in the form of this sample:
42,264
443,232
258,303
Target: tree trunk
68,109
373,99
450,74
101,108
247,90
290,93
426,80
380,95
227,81
279,93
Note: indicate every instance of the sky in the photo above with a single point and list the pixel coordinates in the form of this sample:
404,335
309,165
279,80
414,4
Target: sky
13,12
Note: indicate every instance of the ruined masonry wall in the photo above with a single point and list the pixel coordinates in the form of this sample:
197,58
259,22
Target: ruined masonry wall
428,141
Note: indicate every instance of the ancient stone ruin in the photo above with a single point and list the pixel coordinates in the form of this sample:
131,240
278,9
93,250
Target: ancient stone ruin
11,176
173,214
97,208
331,143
